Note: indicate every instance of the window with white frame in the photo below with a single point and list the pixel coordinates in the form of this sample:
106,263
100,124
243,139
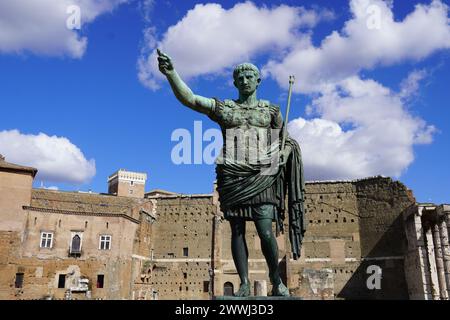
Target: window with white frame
46,239
105,242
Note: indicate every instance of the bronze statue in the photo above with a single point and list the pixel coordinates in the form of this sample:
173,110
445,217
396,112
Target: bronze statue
248,190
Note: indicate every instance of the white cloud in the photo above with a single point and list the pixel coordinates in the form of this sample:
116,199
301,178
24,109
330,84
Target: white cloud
380,140
56,158
40,26
410,86
55,188
210,38
382,131
362,128
359,46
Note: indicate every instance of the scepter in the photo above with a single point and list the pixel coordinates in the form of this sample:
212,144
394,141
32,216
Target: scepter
291,83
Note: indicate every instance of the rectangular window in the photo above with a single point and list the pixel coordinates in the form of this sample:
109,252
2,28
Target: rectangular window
205,286
100,280
105,242
19,280
62,281
46,239
185,252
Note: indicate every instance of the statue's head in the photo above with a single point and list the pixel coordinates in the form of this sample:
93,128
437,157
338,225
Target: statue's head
246,78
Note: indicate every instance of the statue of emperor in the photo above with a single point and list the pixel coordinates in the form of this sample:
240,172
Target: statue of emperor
248,191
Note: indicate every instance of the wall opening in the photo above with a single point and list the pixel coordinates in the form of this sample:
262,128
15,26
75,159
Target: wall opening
61,281
19,280
228,289
100,280
205,286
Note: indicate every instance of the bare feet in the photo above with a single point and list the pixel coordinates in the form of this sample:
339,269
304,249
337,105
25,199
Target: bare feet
244,290
280,290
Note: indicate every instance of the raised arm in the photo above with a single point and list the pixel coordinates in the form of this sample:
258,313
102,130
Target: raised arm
183,93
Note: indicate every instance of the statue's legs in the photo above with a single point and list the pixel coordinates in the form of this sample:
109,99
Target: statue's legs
239,251
269,246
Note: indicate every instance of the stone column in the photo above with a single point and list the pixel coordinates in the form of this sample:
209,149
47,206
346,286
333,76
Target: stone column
443,230
422,255
416,266
439,262
432,265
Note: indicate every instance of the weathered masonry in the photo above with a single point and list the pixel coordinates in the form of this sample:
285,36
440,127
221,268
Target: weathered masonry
366,239
68,244
354,227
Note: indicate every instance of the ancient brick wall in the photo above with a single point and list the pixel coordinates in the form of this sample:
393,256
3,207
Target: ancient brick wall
182,247
21,254
42,267
331,246
9,250
361,222
381,203
180,240
332,263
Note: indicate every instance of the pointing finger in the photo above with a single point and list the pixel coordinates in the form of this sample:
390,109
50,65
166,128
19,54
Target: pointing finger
162,54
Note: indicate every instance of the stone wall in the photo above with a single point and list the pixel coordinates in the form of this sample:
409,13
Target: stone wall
26,213
351,226
331,247
178,247
42,266
354,226
182,247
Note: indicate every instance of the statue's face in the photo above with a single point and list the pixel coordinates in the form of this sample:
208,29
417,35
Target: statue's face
247,82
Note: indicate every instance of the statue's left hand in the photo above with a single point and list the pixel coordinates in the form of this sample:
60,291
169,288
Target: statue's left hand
284,154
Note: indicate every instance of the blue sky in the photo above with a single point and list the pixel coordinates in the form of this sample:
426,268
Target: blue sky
103,117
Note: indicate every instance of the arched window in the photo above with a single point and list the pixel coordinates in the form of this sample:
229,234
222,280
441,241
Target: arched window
76,244
228,289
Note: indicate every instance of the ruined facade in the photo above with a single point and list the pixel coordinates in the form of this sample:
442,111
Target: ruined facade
427,260
67,244
366,239
355,229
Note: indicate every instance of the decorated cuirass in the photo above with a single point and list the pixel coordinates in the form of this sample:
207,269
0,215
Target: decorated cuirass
229,114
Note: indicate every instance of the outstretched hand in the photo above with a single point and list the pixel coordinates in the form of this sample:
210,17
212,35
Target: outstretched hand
164,63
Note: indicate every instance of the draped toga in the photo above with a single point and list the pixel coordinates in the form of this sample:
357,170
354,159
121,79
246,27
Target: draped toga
249,175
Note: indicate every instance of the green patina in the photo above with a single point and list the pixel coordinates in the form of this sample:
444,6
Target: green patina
252,190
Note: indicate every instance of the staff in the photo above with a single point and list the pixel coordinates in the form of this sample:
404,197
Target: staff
291,82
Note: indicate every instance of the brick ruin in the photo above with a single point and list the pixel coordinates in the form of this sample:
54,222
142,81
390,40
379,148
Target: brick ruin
164,245
352,225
